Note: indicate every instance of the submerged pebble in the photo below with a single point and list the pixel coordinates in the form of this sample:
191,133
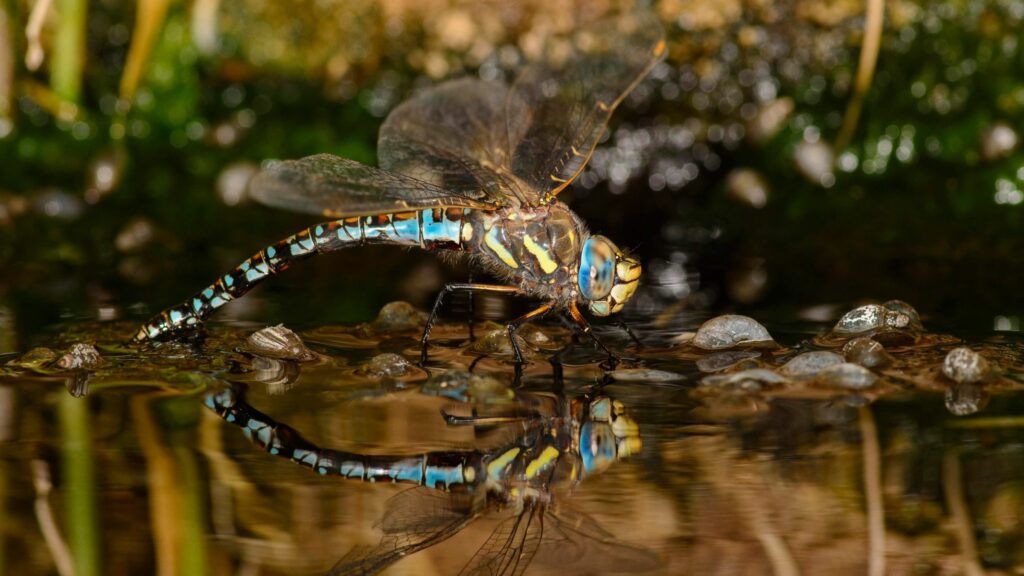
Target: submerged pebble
754,379
866,352
84,356
809,364
34,358
645,375
466,386
966,399
497,342
964,366
399,316
278,342
730,330
723,360
846,375
387,364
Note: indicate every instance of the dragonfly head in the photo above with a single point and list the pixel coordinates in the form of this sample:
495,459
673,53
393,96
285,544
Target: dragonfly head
607,278
608,434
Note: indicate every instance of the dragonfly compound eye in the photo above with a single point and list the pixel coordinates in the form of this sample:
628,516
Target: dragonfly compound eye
607,278
597,268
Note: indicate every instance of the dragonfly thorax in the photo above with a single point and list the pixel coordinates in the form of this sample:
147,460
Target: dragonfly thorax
537,248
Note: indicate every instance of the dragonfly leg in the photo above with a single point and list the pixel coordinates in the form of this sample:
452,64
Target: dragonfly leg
584,326
530,316
456,287
472,336
629,332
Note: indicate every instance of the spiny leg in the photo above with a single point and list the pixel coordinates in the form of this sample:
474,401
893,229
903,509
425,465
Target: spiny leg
472,336
629,332
514,326
440,298
584,326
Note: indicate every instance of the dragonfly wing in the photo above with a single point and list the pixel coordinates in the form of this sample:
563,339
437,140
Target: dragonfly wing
415,519
453,136
509,550
557,112
338,187
578,544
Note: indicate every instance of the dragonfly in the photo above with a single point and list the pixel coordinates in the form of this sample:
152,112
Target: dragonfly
454,488
472,168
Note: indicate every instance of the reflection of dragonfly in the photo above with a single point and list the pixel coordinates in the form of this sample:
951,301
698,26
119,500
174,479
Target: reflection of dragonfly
591,434
472,166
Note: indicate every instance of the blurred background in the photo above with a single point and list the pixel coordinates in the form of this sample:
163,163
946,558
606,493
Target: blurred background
785,155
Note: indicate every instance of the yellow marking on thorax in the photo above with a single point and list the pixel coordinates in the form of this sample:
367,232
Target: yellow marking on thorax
469,474
543,256
467,232
541,462
494,243
495,467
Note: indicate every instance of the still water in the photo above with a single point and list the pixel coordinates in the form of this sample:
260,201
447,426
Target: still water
863,445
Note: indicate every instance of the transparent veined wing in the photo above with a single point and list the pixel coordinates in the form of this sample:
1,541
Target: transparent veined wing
509,550
558,111
577,544
337,187
453,135
414,520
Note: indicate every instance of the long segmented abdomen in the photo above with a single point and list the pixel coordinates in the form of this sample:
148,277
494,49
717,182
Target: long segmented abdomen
438,470
432,229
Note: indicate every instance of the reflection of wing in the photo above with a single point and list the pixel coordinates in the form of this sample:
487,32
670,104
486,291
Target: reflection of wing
577,544
453,136
557,114
415,519
510,548
338,187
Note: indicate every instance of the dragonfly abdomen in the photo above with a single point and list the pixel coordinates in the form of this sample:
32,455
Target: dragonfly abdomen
438,470
435,228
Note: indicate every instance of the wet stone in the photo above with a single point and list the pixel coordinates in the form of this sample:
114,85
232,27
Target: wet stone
809,364
645,375
387,364
966,399
278,342
866,352
79,356
753,380
861,319
399,316
723,360
894,315
34,358
846,375
730,330
963,365
898,310
497,342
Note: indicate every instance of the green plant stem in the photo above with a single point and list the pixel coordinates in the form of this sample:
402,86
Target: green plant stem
69,50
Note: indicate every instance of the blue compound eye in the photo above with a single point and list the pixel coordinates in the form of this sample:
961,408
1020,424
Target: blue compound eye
597,446
597,268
